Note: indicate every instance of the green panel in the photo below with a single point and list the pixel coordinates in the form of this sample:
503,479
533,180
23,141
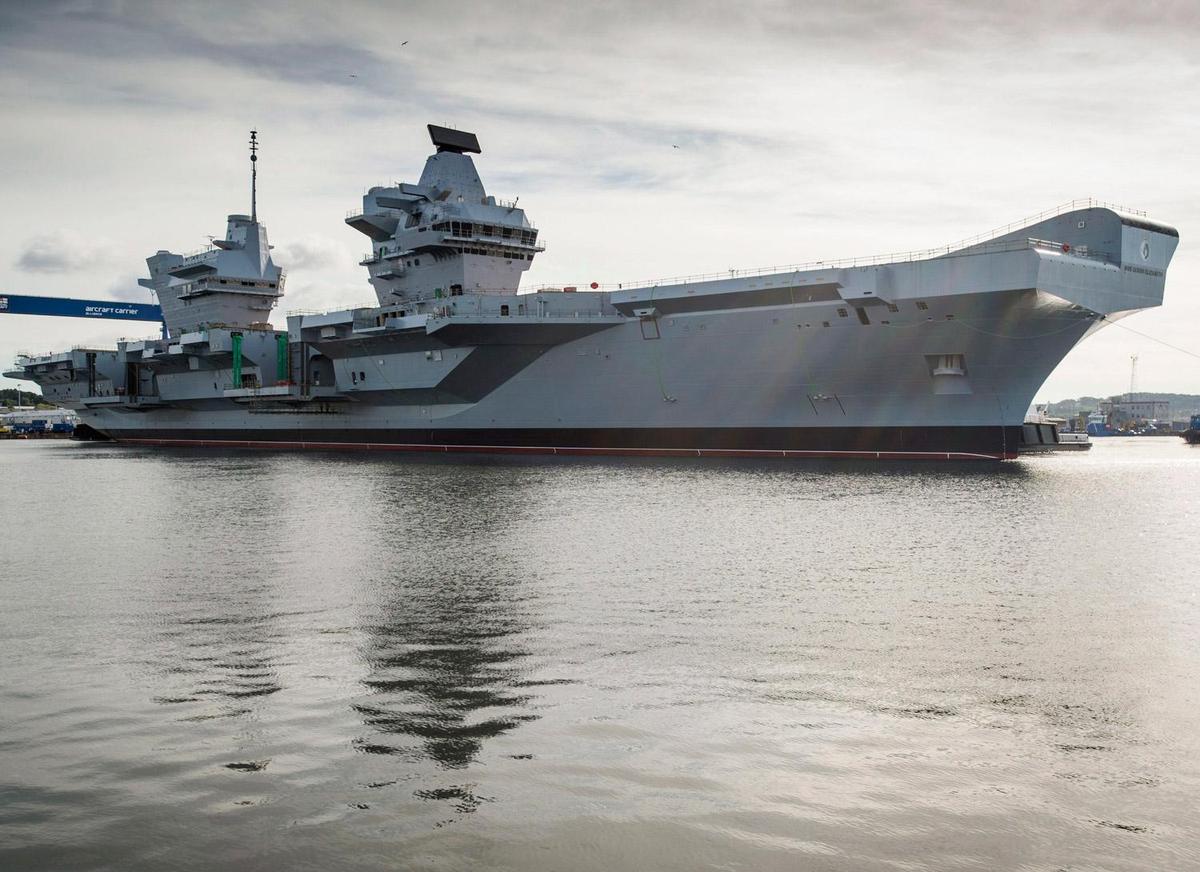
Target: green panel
237,359
282,372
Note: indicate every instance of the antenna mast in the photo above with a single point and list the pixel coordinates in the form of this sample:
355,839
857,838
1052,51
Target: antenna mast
254,176
1132,375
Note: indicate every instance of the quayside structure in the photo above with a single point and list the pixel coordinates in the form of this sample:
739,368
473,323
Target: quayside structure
933,354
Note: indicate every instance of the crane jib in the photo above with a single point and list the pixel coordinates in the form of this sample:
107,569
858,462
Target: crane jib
67,307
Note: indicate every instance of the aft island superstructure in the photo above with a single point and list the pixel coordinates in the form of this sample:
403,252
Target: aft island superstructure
935,355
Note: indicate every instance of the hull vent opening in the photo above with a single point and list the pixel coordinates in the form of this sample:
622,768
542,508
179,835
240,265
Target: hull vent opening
948,373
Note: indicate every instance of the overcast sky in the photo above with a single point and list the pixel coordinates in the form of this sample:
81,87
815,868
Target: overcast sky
805,131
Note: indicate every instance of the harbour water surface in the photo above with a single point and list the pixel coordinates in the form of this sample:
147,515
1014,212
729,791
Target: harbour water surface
339,661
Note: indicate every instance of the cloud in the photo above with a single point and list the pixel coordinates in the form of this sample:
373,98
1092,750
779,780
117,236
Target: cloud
300,47
805,129
313,252
327,296
124,287
61,253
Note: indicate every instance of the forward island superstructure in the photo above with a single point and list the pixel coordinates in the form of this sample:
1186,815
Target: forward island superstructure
929,355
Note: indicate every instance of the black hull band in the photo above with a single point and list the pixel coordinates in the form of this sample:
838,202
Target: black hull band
942,443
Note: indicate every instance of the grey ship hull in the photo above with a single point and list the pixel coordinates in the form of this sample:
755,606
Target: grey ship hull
768,380
877,443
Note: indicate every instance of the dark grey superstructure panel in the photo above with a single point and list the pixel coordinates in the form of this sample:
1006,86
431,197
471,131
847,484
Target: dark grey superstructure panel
483,370
673,303
500,332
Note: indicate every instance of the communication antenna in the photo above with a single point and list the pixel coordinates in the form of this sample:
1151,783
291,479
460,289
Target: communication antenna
1132,374
254,175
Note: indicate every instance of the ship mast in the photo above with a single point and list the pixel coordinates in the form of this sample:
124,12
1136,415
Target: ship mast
254,175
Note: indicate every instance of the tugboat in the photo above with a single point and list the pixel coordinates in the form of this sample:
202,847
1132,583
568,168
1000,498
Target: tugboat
1097,425
1192,433
1041,433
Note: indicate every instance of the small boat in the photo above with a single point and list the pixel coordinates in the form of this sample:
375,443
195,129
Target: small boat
1041,433
1192,433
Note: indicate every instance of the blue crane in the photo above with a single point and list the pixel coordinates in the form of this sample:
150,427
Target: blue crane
69,307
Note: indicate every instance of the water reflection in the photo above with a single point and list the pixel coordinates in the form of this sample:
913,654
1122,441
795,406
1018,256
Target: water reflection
227,658
777,665
233,655
443,641
444,665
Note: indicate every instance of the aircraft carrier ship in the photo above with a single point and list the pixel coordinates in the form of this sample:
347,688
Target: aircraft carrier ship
930,355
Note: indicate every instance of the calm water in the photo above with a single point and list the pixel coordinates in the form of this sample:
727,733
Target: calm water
310,661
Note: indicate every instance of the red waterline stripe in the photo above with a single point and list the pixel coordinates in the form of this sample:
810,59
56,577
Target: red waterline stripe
573,451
